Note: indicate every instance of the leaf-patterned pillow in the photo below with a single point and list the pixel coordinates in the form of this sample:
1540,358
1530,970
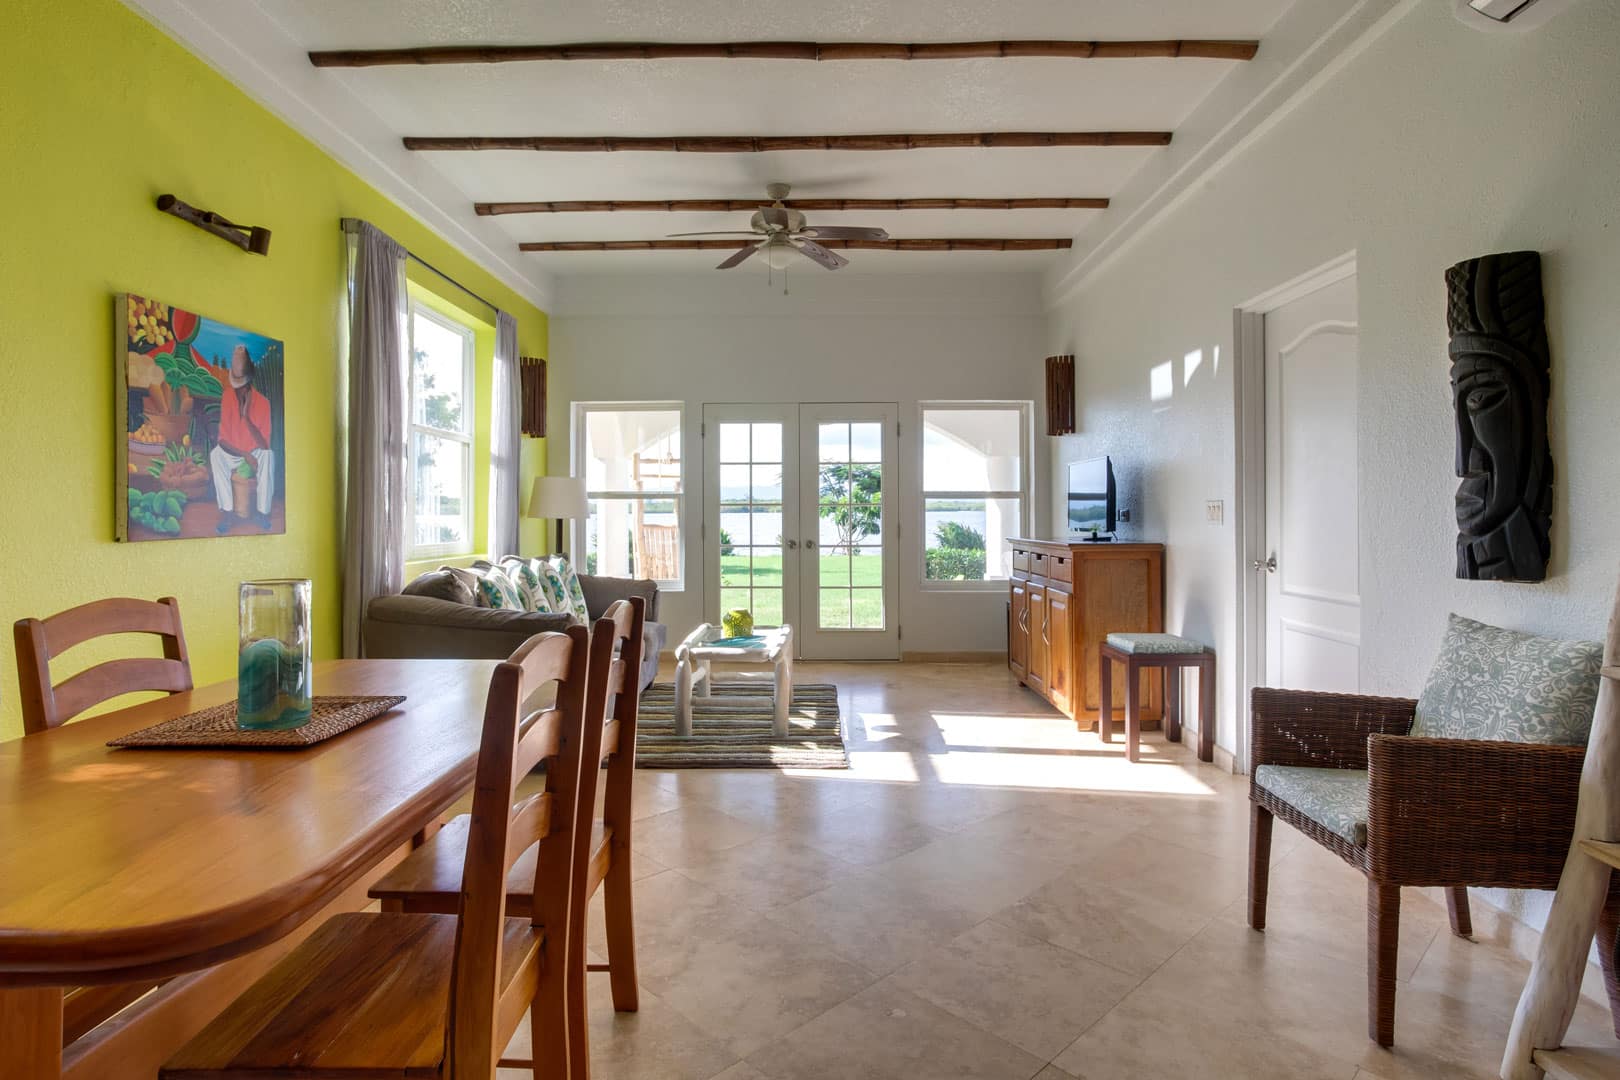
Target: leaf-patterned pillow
576,594
527,579
496,590
1508,686
555,588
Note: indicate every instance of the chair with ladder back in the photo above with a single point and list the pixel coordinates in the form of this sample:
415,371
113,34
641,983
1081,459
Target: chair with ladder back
439,995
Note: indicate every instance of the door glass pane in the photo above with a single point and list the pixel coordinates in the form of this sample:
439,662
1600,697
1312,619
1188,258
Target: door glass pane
834,571
767,483
734,483
767,439
766,567
866,442
833,440
866,567
732,599
866,609
767,607
733,442
834,609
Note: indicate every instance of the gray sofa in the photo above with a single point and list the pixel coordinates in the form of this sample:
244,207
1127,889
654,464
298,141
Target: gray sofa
434,616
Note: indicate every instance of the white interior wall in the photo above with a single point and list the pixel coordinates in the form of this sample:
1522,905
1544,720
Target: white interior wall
1434,144
835,337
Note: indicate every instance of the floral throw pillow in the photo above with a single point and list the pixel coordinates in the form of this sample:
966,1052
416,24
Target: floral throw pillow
1507,686
555,588
526,577
496,590
576,595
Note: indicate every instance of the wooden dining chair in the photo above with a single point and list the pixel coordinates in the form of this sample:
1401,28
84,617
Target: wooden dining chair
430,878
39,641
374,994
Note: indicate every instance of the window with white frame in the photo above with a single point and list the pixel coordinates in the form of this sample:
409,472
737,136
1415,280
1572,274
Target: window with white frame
631,459
975,481
439,458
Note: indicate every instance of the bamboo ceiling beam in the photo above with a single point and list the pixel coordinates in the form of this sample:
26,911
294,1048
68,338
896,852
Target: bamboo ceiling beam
974,244
764,144
788,50
721,206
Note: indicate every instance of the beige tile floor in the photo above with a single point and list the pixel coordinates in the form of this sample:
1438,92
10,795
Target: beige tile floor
988,892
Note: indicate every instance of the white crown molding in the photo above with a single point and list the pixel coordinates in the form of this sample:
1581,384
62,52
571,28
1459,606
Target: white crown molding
248,47
1310,44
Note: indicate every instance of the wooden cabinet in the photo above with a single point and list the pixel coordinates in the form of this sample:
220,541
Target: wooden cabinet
1066,598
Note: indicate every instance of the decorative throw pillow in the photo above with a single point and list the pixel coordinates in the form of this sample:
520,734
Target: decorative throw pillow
496,590
527,579
556,590
576,594
1507,686
442,584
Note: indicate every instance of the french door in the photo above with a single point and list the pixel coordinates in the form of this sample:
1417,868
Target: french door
798,512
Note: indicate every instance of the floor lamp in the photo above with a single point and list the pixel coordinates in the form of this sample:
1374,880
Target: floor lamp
559,497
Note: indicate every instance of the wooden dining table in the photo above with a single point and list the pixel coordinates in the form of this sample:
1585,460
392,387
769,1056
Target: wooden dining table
194,870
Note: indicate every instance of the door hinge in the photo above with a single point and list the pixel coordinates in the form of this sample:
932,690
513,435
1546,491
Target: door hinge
703,429
899,632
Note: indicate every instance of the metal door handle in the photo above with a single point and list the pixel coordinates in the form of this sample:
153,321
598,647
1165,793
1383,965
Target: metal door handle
809,543
792,545
1269,565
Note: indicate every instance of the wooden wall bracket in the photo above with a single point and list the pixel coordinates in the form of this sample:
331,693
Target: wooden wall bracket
1060,395
532,376
250,238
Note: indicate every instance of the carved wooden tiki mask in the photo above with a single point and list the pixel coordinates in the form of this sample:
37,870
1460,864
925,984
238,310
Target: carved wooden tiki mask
1500,378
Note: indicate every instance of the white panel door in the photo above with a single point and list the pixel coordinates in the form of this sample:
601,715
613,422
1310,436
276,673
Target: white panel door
848,580
1313,586
751,512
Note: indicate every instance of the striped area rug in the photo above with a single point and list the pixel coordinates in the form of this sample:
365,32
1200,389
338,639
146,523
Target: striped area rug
729,731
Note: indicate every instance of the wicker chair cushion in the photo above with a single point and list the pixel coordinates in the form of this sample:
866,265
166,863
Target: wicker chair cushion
1156,644
1507,686
1335,799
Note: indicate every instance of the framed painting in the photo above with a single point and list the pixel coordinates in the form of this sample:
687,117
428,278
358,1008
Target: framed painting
202,433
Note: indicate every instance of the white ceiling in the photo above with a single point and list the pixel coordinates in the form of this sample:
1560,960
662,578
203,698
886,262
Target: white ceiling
753,97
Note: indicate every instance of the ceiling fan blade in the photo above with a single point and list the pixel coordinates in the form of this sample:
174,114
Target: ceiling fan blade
845,232
740,232
774,215
738,256
814,251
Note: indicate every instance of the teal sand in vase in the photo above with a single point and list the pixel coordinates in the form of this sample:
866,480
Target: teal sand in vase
275,668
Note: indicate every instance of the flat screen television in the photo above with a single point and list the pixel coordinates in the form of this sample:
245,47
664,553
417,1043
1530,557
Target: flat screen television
1091,496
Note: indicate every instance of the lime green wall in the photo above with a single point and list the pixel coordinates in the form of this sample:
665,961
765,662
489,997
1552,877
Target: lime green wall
99,113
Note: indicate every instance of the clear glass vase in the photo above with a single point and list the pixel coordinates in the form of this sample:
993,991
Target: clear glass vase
275,678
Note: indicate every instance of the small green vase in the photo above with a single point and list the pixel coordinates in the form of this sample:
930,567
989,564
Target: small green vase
737,623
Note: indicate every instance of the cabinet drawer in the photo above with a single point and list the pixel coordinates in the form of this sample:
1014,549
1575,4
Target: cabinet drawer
1060,568
1020,560
1037,563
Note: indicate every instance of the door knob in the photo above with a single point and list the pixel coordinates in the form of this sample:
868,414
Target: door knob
792,545
1269,565
809,543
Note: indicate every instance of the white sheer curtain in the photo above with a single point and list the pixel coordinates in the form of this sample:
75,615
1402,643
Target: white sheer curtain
505,445
375,497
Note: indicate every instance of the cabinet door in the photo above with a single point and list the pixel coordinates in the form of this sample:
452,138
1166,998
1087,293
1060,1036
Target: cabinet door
1035,667
1018,630
1059,650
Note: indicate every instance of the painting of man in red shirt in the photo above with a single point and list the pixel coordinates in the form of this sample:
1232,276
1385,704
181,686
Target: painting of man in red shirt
244,445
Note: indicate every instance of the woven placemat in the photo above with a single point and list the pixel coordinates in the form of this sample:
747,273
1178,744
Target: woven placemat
216,727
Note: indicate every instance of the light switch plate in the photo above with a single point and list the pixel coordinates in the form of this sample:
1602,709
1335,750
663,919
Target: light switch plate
1215,511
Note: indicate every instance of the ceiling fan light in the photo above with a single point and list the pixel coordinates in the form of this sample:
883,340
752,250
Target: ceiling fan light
779,255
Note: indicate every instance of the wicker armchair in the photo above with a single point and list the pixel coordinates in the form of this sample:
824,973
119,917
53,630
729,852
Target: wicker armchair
1445,813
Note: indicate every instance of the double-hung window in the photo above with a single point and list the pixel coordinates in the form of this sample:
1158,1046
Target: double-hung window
975,481
631,458
439,456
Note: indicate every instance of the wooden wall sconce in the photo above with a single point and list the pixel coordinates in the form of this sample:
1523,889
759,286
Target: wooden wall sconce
1060,395
532,376
250,238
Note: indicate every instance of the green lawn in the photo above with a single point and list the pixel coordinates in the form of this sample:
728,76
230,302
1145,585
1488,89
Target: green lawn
851,590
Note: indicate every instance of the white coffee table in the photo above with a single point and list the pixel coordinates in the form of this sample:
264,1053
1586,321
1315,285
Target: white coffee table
694,675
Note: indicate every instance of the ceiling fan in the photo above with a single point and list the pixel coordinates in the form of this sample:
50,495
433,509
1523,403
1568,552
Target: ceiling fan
779,231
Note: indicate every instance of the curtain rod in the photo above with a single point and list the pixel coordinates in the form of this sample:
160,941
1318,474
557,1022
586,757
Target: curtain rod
350,225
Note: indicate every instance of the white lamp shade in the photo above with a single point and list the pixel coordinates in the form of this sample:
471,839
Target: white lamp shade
557,497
